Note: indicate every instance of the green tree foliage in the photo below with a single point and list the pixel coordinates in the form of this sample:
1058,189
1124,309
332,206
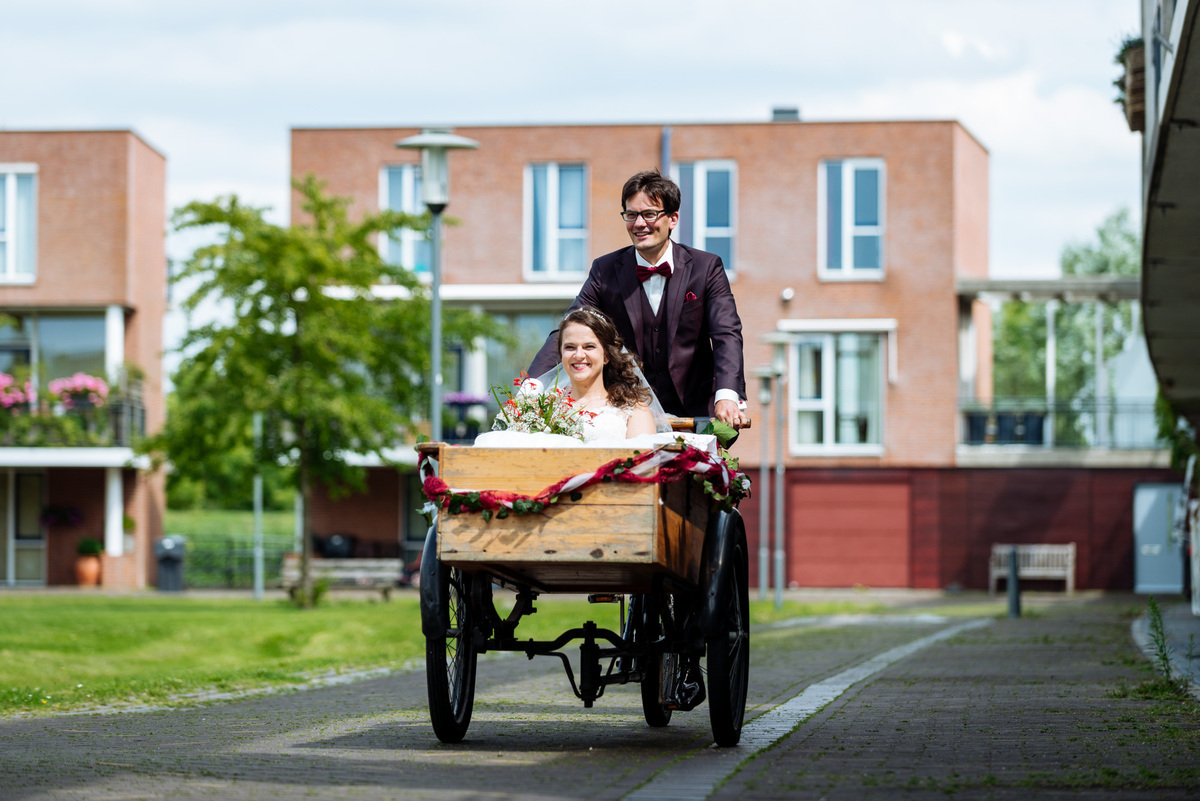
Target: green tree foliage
1019,334
333,370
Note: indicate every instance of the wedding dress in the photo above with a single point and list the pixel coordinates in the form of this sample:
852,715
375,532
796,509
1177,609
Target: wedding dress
610,422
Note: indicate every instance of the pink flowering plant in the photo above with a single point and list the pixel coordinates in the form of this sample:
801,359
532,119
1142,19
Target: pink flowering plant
530,408
12,394
81,386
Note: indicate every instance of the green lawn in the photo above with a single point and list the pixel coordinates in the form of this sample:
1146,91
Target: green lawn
207,524
62,652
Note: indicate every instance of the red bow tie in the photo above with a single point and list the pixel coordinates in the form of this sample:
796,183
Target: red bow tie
643,272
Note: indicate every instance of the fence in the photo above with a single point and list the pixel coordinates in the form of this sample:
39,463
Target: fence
228,562
1066,424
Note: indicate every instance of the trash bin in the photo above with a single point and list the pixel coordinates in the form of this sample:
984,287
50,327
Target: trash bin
169,553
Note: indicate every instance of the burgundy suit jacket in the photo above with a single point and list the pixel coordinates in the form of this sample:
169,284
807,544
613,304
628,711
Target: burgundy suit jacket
705,333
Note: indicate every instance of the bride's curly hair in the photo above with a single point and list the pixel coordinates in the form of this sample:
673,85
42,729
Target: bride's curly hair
624,388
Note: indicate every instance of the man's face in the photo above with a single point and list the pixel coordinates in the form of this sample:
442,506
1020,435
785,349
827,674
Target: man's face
650,238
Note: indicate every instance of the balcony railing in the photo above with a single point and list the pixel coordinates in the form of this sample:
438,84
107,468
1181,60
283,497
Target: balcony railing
119,422
1064,424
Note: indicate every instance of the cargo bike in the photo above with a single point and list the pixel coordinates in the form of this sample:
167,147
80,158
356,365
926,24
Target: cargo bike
679,556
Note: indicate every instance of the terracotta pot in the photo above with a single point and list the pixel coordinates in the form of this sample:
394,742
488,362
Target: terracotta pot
87,571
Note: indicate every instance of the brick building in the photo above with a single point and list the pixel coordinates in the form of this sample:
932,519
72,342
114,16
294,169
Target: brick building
82,291
848,246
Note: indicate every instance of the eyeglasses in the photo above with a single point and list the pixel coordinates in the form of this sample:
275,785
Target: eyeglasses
649,215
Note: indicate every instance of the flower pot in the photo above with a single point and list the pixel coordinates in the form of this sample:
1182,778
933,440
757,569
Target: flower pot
87,571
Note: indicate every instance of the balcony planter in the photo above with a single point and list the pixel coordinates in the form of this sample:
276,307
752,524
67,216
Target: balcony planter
87,562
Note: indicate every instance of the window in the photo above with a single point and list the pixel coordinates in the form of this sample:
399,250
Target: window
555,220
400,190
29,501
18,223
51,345
836,387
505,361
850,219
706,208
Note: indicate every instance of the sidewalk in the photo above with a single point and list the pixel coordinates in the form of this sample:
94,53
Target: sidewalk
1049,705
1183,638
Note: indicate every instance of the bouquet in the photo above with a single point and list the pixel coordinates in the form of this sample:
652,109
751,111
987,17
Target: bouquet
533,409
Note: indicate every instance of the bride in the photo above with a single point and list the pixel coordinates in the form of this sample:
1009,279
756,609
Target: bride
604,378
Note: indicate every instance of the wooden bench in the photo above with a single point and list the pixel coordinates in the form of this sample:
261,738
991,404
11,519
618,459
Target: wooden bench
1034,562
367,574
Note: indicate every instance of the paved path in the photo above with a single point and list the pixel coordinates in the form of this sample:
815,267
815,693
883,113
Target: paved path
1043,706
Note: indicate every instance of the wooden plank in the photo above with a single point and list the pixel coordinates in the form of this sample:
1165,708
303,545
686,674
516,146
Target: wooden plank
525,470
563,532
615,538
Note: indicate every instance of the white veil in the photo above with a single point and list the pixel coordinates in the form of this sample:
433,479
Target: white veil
557,377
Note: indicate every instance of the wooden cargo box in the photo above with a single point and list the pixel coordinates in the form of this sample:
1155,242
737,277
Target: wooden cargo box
614,539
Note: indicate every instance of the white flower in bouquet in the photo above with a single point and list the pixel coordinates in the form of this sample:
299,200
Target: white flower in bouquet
534,409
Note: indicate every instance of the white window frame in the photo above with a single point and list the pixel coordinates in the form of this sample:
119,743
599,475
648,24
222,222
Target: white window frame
554,233
826,332
410,204
699,206
8,265
848,272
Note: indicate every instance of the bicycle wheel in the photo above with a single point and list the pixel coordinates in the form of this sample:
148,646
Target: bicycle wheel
450,664
729,653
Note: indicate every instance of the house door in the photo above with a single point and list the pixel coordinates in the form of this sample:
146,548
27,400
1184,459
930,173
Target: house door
1157,565
22,538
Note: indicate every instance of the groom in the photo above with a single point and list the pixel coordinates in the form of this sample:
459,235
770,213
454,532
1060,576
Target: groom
672,307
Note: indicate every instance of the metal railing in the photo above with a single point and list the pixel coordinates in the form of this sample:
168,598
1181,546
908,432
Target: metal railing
120,421
229,563
1062,424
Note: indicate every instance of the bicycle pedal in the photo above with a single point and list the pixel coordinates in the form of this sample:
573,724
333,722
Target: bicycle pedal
603,598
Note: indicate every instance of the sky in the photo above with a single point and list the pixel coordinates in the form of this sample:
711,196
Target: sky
217,86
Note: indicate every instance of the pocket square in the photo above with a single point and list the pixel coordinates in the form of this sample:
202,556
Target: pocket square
689,297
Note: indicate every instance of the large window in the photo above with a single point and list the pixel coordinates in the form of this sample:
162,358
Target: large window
836,388
706,209
851,219
505,361
400,190
52,346
555,220
18,223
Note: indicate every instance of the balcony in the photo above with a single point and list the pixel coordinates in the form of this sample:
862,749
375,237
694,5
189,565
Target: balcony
1030,430
119,422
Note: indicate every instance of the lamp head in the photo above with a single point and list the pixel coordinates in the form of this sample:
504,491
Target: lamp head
435,169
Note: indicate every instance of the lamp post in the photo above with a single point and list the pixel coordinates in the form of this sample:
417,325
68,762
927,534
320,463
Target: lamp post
778,367
435,191
765,376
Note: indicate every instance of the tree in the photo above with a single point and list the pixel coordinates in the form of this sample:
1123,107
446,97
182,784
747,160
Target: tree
1019,335
333,370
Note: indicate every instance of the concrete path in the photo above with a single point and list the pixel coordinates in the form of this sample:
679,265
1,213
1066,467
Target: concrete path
1046,706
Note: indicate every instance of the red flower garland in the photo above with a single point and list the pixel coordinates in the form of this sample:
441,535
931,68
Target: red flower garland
658,466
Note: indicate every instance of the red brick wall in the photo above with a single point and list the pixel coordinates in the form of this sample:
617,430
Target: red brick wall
373,518
85,216
936,229
145,273
83,488
934,529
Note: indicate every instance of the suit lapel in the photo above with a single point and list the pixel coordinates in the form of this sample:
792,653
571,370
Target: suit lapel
681,275
631,289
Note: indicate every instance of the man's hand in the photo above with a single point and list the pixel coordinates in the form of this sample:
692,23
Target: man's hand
727,412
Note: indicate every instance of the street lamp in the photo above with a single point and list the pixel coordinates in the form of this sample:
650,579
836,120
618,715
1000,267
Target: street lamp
435,191
766,375
779,343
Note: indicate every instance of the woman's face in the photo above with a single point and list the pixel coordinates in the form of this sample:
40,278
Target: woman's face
582,354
